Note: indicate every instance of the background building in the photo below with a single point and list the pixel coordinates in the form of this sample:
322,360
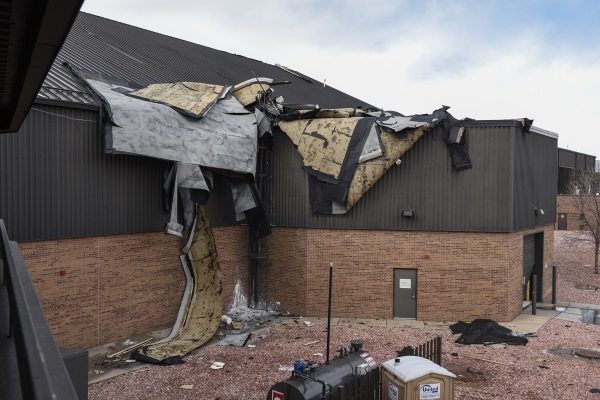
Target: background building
568,217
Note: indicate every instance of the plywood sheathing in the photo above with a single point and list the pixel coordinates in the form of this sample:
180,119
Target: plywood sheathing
322,142
203,312
192,97
248,94
369,172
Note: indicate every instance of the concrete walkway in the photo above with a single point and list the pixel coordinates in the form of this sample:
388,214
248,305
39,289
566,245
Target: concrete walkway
526,322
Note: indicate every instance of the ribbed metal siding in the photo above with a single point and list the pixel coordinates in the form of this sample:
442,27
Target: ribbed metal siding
220,207
56,181
590,163
536,174
566,158
291,205
441,198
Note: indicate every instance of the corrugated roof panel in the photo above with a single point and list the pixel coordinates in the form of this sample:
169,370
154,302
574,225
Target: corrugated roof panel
134,54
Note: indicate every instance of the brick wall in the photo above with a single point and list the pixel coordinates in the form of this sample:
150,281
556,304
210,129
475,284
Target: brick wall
233,247
460,275
287,274
117,287
564,205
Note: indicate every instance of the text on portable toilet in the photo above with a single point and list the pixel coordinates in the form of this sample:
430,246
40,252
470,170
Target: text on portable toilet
429,391
392,392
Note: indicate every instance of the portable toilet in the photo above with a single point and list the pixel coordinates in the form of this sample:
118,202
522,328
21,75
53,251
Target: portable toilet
415,378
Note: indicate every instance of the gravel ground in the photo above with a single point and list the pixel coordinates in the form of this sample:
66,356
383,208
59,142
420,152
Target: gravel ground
574,259
524,372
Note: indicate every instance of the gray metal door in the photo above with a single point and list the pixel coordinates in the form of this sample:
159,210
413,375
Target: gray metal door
405,293
562,222
528,260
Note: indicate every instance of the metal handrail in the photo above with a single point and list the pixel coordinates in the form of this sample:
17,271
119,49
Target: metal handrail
42,372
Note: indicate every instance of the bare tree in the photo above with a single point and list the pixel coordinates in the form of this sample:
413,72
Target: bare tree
584,188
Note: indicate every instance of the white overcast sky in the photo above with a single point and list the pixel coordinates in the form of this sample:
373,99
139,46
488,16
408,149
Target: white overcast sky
485,59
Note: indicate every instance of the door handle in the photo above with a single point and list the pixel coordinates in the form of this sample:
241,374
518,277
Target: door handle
414,296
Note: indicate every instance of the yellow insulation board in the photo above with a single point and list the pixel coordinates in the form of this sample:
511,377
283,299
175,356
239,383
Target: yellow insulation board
193,97
322,142
203,312
247,94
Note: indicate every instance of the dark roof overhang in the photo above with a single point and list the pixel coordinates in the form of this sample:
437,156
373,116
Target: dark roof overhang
31,35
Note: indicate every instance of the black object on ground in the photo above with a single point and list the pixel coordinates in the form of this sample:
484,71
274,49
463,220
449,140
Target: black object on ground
482,331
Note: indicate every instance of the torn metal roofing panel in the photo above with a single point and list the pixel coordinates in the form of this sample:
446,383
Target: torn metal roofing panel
347,151
226,138
61,85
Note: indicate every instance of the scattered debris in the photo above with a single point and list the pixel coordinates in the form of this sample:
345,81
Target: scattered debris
524,334
130,361
285,368
593,354
307,323
238,340
561,309
135,346
217,365
497,346
470,376
595,390
479,358
187,387
226,320
311,343
237,325
318,354
128,342
251,346
98,372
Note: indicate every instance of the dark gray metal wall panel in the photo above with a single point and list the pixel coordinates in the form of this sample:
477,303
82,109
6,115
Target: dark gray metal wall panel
441,198
566,158
536,175
564,176
56,181
590,163
220,207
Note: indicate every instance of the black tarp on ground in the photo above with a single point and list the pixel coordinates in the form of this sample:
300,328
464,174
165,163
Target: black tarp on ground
482,331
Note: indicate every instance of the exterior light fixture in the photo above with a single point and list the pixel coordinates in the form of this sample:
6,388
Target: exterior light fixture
407,213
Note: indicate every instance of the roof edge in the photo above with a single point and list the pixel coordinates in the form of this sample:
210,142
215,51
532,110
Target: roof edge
544,132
